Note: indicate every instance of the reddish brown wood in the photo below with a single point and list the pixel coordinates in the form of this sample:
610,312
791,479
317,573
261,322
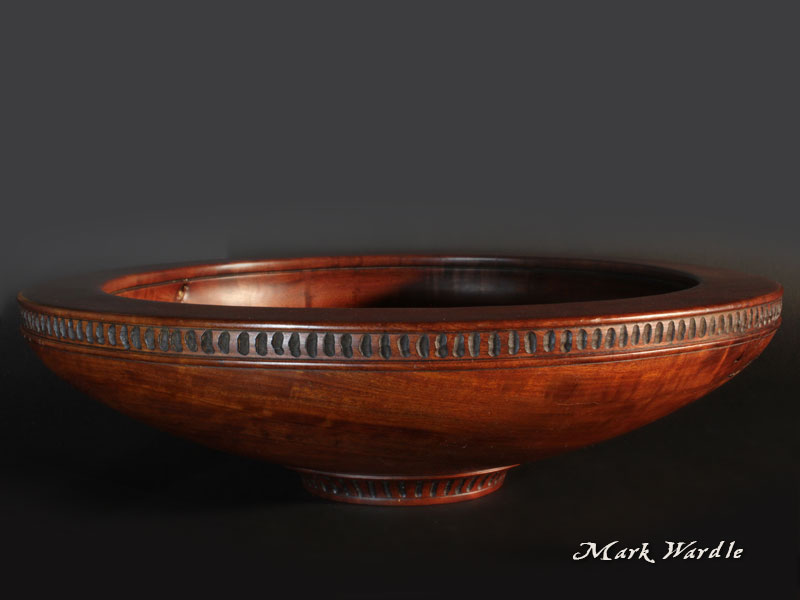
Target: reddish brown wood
402,379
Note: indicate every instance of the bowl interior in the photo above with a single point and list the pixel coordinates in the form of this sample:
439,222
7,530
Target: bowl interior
404,286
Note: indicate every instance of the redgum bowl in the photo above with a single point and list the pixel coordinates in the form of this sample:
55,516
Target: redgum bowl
401,380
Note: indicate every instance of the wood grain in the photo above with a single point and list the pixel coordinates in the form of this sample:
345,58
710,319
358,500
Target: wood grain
382,384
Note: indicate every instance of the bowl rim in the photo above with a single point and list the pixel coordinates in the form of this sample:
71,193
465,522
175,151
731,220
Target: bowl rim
88,295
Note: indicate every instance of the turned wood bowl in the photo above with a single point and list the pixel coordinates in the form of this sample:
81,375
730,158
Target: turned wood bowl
401,380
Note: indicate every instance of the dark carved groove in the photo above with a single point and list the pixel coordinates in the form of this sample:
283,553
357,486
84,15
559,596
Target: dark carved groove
441,345
458,346
404,346
277,343
423,346
566,341
175,341
224,342
294,344
163,340
207,342
513,342
611,335
136,337
475,344
494,344
530,342
262,344
365,347
329,344
347,345
243,343
311,345
150,338
385,347
582,339
191,340
549,342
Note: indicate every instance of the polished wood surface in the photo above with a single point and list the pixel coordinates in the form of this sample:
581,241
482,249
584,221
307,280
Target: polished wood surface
402,380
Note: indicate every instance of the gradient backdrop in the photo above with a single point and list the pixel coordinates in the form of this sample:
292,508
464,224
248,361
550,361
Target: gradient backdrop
159,133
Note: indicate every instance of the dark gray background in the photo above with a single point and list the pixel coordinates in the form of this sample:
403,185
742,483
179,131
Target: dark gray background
155,133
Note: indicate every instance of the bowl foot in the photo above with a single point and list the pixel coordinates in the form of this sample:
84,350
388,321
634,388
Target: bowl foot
401,490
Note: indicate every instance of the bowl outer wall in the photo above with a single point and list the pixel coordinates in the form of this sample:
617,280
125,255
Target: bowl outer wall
407,415
426,422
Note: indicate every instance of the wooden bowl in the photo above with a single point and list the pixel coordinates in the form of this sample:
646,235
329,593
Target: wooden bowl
401,380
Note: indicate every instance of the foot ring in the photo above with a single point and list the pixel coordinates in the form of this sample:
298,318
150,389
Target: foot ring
403,490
